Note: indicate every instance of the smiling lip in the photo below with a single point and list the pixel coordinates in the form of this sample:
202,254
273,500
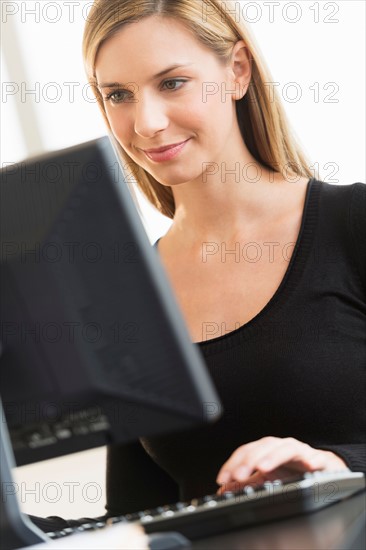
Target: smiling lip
162,149
165,153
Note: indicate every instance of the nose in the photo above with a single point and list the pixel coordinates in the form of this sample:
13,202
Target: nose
150,116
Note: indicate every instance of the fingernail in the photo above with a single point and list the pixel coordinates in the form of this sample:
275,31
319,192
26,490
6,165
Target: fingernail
224,477
242,472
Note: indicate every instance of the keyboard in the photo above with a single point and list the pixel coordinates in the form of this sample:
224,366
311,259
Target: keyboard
253,504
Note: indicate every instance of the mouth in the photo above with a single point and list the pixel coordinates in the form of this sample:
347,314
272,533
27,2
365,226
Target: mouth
164,148
166,153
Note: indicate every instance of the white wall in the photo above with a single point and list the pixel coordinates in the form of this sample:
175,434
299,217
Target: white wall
324,52
41,51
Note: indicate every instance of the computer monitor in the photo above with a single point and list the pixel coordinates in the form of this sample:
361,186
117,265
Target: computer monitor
94,349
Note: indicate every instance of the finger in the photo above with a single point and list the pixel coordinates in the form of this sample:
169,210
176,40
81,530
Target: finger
243,461
299,455
234,486
237,459
258,478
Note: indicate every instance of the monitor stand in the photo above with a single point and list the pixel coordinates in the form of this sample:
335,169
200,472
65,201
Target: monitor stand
16,530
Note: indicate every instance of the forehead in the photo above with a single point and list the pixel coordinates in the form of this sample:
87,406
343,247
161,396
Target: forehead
147,46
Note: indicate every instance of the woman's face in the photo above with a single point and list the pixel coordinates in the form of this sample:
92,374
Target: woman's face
145,110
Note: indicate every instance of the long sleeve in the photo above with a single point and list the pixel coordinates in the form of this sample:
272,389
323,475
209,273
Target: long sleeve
353,454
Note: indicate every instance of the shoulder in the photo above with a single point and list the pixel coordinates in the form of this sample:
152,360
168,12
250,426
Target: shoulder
351,198
357,226
344,191
346,201
357,207
344,207
336,215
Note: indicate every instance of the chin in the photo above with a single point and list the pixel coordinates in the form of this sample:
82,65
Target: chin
171,182
176,178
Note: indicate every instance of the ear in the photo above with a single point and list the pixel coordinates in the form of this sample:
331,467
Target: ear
240,69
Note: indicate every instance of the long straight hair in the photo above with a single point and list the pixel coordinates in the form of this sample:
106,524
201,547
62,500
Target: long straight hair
261,117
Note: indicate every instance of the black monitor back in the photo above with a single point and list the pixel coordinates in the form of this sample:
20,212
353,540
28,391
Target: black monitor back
94,349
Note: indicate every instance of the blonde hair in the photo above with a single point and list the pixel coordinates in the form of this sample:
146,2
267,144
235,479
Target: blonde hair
261,117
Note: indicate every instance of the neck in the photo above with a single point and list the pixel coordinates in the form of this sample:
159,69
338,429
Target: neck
234,193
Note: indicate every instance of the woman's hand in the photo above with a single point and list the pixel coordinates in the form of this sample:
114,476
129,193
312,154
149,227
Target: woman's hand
273,458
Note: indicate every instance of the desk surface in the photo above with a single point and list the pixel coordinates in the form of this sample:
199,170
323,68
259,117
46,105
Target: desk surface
337,527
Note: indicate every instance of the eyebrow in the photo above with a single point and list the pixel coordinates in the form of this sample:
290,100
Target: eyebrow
158,75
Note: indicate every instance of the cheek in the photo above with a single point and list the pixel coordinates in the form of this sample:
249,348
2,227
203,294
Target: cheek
195,115
120,124
209,106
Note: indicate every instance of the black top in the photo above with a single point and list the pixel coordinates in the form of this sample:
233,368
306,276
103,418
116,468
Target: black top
296,369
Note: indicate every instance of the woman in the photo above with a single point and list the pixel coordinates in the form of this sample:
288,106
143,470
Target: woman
286,406
267,262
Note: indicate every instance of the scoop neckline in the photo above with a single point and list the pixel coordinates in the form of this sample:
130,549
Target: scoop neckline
288,282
